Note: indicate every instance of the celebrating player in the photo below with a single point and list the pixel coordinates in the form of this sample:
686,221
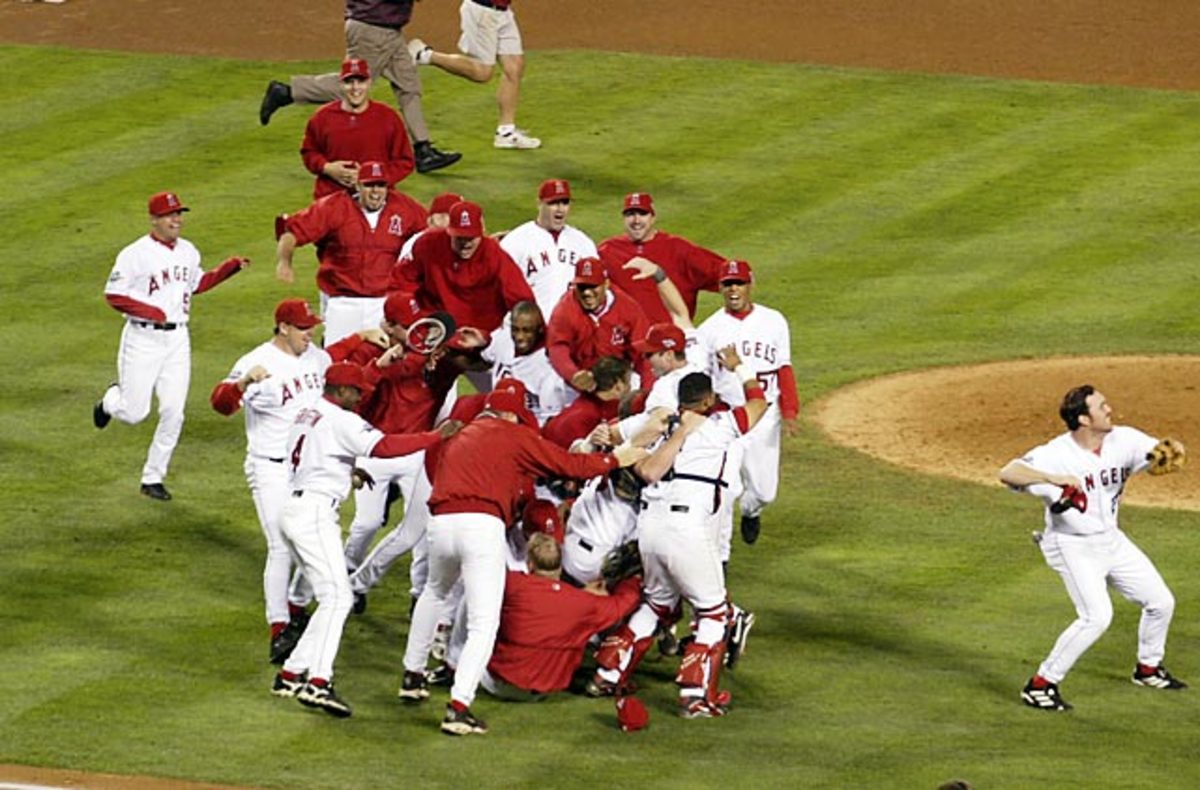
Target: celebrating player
358,238
691,267
323,442
475,485
518,350
151,285
275,381
1080,476
762,338
345,133
546,248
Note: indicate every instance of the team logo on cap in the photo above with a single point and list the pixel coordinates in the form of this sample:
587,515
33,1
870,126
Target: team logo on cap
172,201
559,187
732,267
585,269
668,342
635,199
464,219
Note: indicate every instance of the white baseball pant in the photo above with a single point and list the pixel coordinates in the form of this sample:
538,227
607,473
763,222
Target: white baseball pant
152,362
407,536
310,524
268,481
469,546
760,462
370,502
1086,563
345,315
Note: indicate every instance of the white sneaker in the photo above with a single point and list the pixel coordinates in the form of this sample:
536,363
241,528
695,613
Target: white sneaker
517,138
422,53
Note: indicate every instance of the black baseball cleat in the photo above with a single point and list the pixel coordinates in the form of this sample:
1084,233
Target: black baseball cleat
283,644
156,491
461,722
360,603
441,675
413,687
1044,698
100,417
430,159
325,698
1157,678
278,95
287,687
751,526
738,635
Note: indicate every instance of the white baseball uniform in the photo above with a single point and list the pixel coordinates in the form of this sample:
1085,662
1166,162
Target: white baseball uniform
546,393
324,440
271,406
763,341
547,259
600,522
154,358
1089,549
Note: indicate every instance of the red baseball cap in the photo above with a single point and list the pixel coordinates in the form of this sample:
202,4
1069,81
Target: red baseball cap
541,515
372,173
355,68
661,337
638,201
631,714
736,272
442,203
590,271
297,313
509,395
554,189
163,203
403,310
346,374
466,220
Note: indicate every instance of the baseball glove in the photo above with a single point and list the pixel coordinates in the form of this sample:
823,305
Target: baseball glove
627,485
621,563
1167,456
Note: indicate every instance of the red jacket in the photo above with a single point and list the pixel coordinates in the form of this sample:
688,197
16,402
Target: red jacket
483,467
576,339
545,625
376,134
355,260
577,420
692,268
478,292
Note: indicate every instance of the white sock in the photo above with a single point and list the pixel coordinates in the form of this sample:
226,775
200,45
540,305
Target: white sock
506,128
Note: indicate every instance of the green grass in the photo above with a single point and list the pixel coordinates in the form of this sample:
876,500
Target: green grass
899,221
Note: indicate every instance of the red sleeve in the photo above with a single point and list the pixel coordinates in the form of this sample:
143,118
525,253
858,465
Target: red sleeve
312,223
409,275
348,349
545,458
394,444
703,267
741,418
559,340
560,360
226,398
611,609
567,426
135,308
789,397
219,275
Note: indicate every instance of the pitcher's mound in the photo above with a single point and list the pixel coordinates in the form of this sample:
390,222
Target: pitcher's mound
967,422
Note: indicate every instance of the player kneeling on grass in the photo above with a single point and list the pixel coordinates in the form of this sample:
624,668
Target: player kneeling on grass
678,543
1080,476
323,442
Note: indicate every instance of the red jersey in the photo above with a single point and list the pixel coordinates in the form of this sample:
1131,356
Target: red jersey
376,134
546,624
577,420
355,260
575,339
478,292
691,267
483,467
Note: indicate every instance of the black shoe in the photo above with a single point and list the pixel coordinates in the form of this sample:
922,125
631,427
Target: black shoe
462,723
287,687
360,603
156,491
414,687
100,417
325,698
751,525
440,675
278,95
283,645
430,159
738,635
1157,678
1045,698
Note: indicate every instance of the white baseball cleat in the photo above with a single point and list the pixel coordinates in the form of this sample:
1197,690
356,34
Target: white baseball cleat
1156,677
422,53
1044,697
517,138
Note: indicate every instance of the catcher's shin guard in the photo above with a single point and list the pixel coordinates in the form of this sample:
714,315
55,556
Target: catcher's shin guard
700,673
622,652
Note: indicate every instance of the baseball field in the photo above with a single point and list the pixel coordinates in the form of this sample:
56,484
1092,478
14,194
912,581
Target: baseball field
959,209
